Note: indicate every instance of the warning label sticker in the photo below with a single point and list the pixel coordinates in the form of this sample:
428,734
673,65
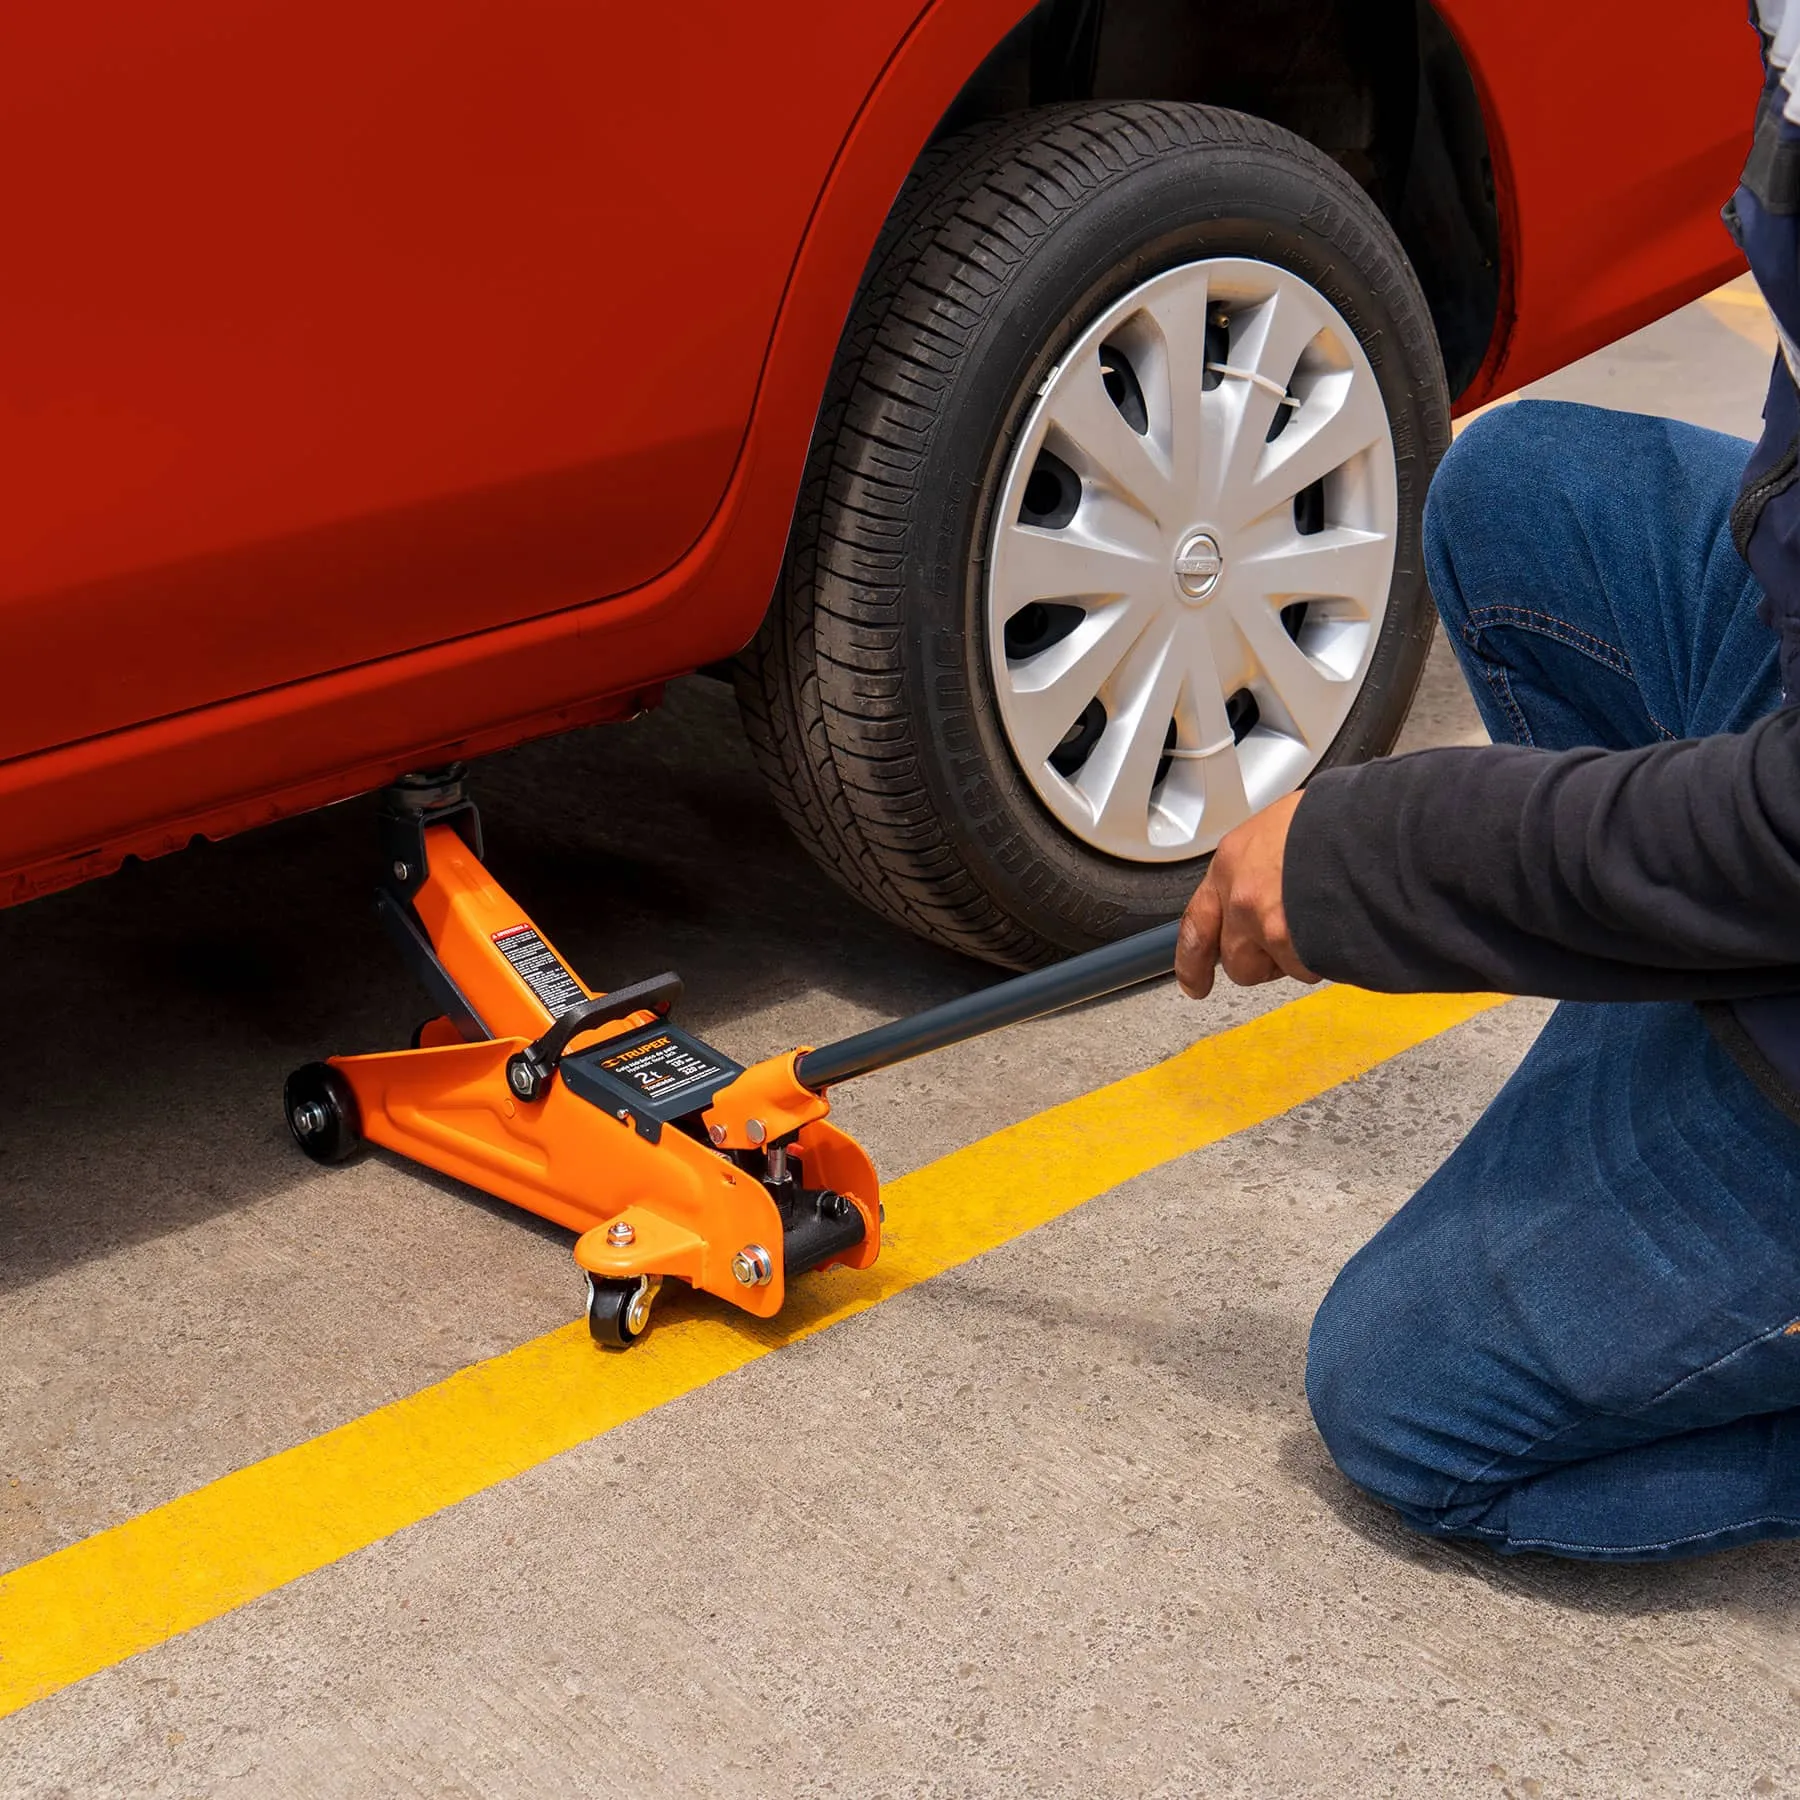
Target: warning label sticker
539,967
672,1070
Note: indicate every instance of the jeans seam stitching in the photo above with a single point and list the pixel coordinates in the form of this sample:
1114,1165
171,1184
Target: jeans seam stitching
1560,631
1495,676
1762,1337
1656,1399
1691,1537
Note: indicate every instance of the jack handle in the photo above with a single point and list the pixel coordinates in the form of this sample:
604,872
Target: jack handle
1145,957
529,1069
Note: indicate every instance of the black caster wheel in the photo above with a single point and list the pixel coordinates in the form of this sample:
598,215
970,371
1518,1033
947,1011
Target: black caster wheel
618,1311
321,1113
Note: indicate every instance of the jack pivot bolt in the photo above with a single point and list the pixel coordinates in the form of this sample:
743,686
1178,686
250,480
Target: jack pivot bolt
620,1234
752,1267
717,1133
755,1130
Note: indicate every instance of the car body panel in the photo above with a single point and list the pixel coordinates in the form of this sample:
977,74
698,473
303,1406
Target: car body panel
335,329
1615,142
562,620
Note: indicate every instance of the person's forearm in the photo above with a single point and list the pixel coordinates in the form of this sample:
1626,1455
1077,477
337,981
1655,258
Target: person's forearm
1671,872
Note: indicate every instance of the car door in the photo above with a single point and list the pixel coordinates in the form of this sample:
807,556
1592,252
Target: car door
333,329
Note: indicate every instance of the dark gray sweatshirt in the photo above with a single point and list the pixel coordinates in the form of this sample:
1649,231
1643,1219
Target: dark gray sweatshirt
1667,873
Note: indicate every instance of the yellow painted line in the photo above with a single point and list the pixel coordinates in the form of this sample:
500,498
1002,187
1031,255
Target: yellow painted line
144,1581
1745,315
1733,295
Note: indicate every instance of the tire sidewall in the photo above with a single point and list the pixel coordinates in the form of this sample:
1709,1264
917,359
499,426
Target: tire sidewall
1176,207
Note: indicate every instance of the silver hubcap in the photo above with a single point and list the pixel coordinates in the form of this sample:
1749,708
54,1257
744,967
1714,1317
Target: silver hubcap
1191,558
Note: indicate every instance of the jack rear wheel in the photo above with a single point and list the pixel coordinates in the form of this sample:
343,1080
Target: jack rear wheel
321,1113
618,1312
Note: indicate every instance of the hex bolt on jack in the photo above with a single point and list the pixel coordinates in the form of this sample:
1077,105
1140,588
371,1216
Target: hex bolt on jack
669,1159
752,1267
310,1118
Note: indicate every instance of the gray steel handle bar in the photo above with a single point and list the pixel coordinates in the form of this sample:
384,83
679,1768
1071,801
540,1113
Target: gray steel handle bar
1145,957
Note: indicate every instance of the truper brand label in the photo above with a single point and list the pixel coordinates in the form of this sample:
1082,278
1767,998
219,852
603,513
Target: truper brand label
667,1066
653,1073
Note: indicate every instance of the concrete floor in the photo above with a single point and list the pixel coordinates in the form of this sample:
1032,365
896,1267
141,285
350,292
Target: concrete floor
1055,1522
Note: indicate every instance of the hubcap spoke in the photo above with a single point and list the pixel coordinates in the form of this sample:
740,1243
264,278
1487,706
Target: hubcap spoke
1069,565
1341,418
1122,770
1085,417
1225,801
1177,401
1051,691
1341,563
1264,354
1309,699
1276,332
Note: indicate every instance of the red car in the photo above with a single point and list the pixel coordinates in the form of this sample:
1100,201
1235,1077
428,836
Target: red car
1036,402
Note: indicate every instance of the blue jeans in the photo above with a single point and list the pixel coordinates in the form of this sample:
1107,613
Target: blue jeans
1582,1335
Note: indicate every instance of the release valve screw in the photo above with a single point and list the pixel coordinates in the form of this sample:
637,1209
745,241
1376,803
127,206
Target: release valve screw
620,1233
752,1267
401,871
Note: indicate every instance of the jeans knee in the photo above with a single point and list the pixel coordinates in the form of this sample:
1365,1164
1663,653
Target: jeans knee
1363,1386
1342,1384
1478,491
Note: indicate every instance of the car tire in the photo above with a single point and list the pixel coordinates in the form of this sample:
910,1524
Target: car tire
902,737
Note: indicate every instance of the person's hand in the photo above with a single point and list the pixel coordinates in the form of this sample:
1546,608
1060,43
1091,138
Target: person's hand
1235,919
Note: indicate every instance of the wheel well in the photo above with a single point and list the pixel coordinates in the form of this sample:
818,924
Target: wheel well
1380,86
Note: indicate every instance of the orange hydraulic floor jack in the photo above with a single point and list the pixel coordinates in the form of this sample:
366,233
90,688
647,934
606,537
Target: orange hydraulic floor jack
671,1160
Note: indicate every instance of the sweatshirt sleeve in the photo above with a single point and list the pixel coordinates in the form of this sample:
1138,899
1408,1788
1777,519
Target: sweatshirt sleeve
1666,873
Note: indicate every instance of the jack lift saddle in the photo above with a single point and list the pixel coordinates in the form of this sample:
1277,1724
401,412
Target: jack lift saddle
672,1161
